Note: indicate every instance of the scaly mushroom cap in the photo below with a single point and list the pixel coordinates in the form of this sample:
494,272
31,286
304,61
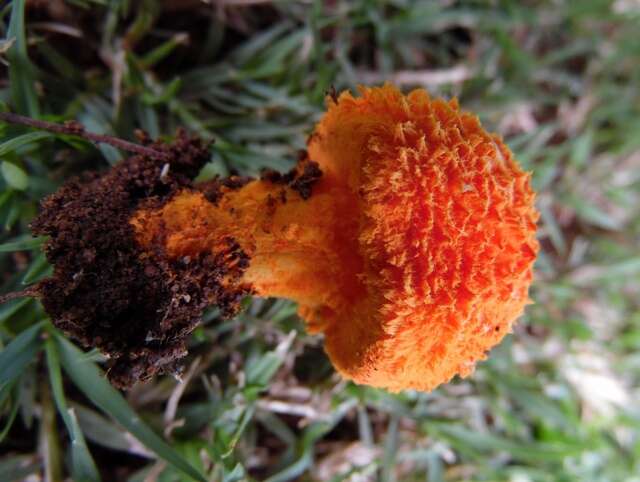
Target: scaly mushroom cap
446,236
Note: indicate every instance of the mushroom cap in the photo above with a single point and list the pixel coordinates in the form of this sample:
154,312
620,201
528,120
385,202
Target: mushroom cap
446,229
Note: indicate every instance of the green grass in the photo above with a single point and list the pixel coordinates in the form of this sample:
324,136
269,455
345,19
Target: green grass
557,401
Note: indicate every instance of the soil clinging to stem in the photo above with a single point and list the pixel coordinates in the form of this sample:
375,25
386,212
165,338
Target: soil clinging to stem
137,306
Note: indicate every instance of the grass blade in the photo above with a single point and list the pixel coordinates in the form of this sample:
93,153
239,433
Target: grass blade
38,267
16,142
14,176
9,418
83,466
92,382
19,353
24,244
21,75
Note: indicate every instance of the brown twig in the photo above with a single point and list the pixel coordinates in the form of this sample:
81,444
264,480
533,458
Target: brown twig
30,291
74,128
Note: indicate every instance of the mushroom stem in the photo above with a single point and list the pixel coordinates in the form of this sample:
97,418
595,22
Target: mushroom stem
299,245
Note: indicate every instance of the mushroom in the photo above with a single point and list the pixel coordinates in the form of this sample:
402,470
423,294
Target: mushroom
413,254
405,233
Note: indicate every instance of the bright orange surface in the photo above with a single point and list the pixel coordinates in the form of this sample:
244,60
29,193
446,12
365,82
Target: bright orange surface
414,253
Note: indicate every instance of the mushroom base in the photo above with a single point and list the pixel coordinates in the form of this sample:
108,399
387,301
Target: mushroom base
135,305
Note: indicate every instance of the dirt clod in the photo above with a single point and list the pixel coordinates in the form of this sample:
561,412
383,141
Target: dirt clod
301,179
137,306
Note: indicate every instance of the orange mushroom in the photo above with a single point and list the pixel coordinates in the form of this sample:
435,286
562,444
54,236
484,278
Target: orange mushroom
406,235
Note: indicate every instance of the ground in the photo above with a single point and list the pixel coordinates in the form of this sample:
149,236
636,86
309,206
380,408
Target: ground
556,401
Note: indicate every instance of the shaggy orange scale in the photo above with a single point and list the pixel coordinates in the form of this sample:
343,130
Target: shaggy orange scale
414,253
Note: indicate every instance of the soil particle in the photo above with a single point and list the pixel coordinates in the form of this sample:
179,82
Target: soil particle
137,306
213,189
303,184
301,179
333,94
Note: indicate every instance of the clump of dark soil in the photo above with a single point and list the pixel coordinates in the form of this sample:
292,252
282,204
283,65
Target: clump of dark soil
301,178
137,306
